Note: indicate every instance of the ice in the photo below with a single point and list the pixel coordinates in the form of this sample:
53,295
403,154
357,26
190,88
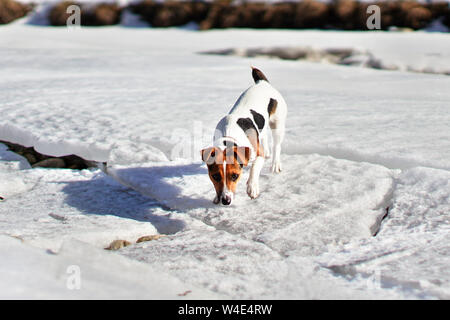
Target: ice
358,141
316,200
411,250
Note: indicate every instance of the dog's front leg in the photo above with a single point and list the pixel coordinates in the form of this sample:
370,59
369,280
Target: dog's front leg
253,180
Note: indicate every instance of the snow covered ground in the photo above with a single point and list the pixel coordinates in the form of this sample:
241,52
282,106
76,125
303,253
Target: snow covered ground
358,141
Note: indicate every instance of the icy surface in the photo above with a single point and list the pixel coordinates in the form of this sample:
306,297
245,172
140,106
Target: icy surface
316,200
412,249
358,141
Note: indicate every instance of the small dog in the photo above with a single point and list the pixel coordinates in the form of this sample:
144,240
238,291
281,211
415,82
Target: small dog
242,137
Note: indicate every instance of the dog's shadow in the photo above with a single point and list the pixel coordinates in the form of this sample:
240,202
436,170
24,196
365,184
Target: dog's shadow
103,195
163,183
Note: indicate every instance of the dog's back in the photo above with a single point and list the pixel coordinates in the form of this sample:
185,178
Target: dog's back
254,108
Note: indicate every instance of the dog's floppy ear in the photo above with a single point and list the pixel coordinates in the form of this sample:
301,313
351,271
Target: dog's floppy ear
242,155
209,155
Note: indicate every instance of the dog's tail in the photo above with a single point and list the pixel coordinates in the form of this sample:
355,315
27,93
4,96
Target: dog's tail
258,75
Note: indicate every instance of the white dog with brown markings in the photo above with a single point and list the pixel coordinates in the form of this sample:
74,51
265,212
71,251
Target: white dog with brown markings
241,137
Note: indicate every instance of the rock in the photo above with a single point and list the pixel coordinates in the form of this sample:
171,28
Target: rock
150,238
11,10
118,244
30,158
50,163
74,162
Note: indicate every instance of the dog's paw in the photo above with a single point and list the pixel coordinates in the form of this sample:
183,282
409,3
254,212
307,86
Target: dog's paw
252,189
276,167
216,200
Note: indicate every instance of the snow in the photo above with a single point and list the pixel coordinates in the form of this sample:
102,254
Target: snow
31,273
358,141
411,250
310,199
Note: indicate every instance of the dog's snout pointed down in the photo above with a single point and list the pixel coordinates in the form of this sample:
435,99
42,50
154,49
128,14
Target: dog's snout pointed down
226,200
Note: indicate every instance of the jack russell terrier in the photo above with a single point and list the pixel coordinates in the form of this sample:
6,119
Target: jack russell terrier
242,137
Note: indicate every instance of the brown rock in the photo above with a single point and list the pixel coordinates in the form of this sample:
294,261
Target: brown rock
75,162
30,158
50,163
118,244
150,238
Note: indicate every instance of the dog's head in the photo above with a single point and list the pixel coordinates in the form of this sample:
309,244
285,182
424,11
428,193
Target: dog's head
225,169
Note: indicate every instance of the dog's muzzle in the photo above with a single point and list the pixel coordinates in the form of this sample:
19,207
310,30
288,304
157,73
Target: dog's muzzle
226,201
227,197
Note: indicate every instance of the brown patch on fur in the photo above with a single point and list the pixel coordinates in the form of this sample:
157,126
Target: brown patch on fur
234,169
235,158
214,157
253,137
242,154
272,107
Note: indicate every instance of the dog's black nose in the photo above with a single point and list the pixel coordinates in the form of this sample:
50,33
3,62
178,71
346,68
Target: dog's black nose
226,201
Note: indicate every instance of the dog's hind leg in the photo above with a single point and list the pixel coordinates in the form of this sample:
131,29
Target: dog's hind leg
277,119
265,144
278,136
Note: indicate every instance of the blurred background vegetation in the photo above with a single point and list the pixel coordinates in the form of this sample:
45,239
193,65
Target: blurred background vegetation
306,14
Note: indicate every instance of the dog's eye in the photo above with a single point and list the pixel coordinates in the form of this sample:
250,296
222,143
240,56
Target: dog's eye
234,176
217,177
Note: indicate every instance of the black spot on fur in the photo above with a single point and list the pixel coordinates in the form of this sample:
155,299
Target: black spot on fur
246,124
250,130
272,107
259,119
258,75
